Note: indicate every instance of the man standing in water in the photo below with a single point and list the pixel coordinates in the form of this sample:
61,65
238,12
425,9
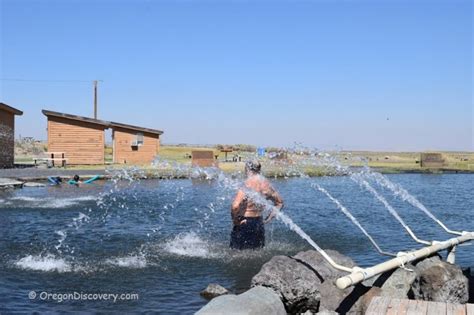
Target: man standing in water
248,231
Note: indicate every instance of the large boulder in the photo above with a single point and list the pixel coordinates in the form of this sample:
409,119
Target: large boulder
256,301
298,279
398,284
470,277
347,301
317,263
440,281
295,283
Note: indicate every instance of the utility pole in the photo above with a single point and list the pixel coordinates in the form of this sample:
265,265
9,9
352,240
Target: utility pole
95,99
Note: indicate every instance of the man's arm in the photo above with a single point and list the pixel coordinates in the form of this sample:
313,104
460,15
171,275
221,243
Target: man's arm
236,207
275,197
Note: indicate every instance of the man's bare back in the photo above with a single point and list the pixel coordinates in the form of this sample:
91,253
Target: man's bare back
247,209
243,204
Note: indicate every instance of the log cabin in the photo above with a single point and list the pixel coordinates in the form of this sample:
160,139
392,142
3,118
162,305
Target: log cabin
82,140
7,134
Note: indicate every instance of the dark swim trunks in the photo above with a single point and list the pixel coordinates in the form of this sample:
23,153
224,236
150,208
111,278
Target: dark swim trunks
250,235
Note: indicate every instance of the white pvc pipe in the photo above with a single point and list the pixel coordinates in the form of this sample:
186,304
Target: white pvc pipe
358,275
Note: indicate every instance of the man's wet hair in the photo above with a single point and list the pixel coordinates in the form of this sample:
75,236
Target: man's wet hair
253,166
76,178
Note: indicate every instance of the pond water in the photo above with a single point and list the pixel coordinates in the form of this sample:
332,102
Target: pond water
165,240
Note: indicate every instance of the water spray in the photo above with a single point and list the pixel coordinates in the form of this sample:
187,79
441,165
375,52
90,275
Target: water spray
358,179
353,219
406,196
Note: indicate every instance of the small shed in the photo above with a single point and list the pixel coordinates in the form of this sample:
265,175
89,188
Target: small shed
7,134
432,160
203,158
133,144
82,139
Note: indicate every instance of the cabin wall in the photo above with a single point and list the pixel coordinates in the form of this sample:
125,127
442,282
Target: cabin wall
82,142
124,152
7,139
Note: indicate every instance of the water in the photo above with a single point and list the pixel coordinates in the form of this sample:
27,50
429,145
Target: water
165,240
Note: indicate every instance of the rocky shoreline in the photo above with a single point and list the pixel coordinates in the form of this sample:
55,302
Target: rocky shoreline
305,284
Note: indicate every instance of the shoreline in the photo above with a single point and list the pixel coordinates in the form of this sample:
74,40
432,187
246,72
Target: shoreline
40,176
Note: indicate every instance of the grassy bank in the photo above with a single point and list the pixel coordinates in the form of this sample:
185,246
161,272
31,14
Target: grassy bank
385,162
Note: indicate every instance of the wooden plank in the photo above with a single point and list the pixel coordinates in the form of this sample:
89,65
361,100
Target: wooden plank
417,308
421,307
436,308
469,309
403,307
455,309
378,305
397,307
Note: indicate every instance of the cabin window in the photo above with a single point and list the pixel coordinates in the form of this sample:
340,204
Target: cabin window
138,139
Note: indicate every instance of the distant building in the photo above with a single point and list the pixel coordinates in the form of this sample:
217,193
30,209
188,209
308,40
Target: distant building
432,160
82,139
7,134
134,145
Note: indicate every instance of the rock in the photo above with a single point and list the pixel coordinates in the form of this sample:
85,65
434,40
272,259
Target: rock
10,183
33,184
399,283
317,262
440,281
298,279
327,312
256,301
371,282
347,301
295,283
470,277
213,290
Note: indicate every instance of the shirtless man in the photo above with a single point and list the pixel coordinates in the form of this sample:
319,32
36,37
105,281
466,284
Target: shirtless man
248,231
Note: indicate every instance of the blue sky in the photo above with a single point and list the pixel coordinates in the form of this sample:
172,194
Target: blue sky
375,75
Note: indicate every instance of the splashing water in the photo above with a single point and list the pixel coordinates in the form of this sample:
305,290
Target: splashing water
44,263
402,193
358,179
294,227
190,245
352,218
132,261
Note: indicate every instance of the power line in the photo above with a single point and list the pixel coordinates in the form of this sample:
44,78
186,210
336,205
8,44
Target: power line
58,81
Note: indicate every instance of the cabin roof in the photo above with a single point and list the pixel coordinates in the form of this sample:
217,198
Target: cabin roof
10,109
106,124
49,113
136,128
